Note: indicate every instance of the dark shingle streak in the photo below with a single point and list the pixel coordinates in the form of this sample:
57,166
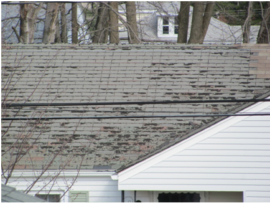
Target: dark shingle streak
66,73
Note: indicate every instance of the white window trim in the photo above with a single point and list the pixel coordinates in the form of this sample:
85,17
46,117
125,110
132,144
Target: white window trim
171,27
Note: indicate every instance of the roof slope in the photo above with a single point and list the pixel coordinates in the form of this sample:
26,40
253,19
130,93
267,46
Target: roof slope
9,194
101,73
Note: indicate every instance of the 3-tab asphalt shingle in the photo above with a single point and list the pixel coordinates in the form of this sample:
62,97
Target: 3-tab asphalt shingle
106,73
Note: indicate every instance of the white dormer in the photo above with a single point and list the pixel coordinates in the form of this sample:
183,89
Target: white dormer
167,26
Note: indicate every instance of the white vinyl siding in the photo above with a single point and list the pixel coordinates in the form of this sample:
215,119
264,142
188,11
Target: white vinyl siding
100,188
235,159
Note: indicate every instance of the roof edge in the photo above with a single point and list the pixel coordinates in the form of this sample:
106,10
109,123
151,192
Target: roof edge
191,134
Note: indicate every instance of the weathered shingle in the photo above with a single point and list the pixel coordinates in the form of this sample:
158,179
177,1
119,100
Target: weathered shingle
106,73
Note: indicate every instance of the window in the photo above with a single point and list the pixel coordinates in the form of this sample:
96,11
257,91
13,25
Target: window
49,197
78,196
179,197
166,26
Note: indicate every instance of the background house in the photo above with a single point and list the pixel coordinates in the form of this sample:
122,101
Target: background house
150,21
94,159
152,17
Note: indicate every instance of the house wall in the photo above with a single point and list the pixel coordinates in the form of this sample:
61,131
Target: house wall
236,158
100,188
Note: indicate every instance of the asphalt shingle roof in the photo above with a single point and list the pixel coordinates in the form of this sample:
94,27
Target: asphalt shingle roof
107,73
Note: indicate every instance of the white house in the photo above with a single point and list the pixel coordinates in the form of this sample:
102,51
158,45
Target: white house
227,162
103,123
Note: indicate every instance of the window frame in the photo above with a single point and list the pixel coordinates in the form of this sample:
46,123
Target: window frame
156,193
47,195
78,191
171,26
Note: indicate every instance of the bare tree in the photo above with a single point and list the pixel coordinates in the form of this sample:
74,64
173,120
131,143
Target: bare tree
63,23
247,23
183,19
200,21
18,145
114,28
57,30
132,23
264,32
50,22
74,24
28,17
102,23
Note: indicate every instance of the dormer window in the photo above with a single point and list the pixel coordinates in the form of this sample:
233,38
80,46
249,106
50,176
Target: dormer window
167,26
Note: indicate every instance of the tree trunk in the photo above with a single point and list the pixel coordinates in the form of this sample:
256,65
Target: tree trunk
101,28
264,32
200,21
206,19
133,35
28,16
50,23
183,18
57,30
63,23
114,33
247,23
197,22
74,24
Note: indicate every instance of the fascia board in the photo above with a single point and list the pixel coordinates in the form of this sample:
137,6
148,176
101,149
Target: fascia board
204,134
67,173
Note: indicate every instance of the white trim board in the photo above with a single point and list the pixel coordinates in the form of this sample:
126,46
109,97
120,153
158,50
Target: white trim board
204,134
64,173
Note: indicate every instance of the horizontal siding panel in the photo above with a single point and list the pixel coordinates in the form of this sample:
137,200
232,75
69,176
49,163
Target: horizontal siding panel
95,188
105,193
218,147
247,129
248,123
257,199
196,182
197,187
211,170
220,158
105,199
243,135
169,176
229,164
266,110
257,118
235,141
223,152
258,193
96,183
